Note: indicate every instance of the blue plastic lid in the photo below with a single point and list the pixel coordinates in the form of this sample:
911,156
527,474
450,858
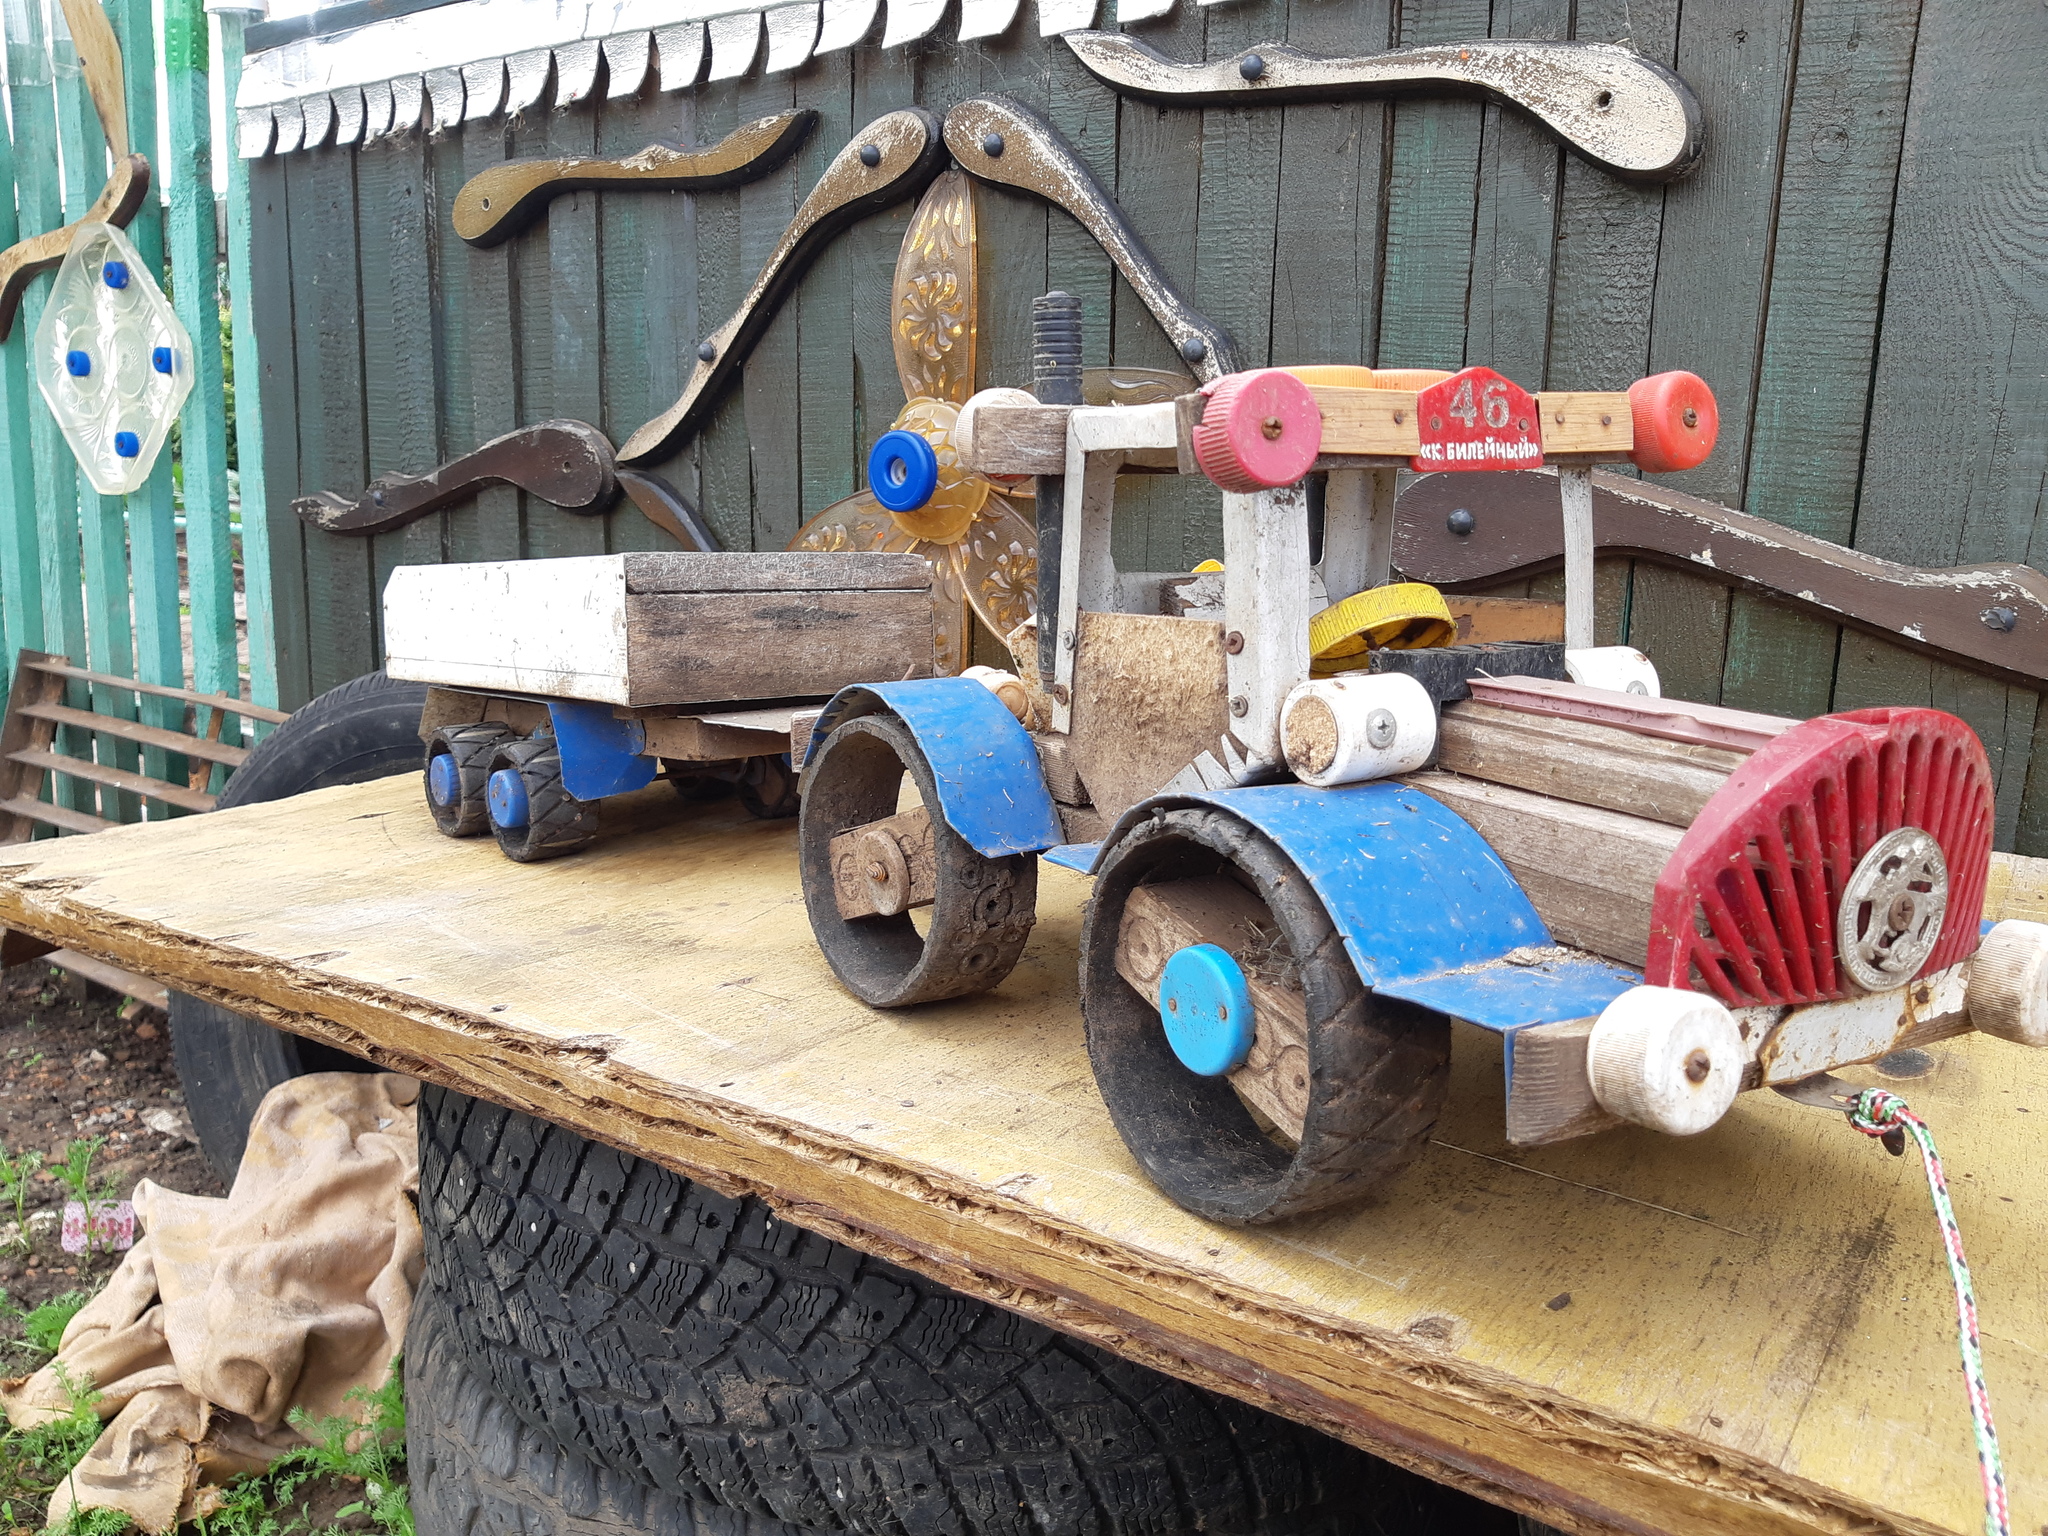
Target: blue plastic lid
444,780
161,359
506,795
127,444
902,471
115,273
1206,1006
79,363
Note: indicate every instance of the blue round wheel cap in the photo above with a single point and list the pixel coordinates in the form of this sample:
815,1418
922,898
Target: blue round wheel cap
444,780
506,794
902,471
1207,1008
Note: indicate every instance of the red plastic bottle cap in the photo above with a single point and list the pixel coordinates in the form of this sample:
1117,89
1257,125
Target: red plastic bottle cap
1260,430
1676,422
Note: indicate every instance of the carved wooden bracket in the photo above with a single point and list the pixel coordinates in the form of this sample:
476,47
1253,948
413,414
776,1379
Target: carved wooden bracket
116,204
501,200
1988,618
566,462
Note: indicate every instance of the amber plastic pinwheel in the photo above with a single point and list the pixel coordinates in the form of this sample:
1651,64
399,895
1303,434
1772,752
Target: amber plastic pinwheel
982,550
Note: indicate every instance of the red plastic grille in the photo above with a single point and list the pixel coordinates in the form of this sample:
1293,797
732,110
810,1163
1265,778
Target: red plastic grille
1745,908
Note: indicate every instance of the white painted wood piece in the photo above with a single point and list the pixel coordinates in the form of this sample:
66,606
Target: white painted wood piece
483,89
1128,11
348,115
988,18
1358,531
679,51
376,110
792,30
575,71
550,627
1266,600
408,97
735,40
1057,16
1575,494
911,19
319,112
842,23
626,56
526,77
445,96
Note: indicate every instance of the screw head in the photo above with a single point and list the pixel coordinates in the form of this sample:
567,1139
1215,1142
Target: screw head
2001,618
1381,728
992,145
1461,522
1060,693
1269,429
1690,417
1233,643
871,155
1251,66
1697,1066
1903,910
1194,349
1240,706
706,352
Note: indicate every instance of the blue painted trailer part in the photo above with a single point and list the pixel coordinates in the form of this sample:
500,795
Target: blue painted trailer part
991,788
600,752
1427,910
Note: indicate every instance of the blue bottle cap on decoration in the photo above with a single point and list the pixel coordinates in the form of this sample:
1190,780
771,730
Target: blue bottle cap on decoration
902,471
161,359
115,273
127,444
1207,1009
79,363
506,796
444,780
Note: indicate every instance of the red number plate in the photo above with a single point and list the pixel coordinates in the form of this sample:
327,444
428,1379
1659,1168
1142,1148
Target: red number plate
1477,420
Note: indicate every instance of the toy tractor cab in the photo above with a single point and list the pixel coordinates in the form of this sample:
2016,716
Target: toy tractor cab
1319,833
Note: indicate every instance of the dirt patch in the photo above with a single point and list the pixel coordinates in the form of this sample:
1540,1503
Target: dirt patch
71,1067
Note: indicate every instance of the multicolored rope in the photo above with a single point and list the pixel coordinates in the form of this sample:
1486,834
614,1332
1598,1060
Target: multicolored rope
1878,1113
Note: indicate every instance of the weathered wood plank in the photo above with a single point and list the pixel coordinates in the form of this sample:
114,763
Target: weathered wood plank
829,445
489,528
571,301
1582,762
772,415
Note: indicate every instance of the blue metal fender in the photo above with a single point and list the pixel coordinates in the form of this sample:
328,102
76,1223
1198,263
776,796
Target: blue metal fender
991,789
1427,910
601,754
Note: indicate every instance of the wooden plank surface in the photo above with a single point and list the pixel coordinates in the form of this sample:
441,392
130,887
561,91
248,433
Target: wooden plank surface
1749,1331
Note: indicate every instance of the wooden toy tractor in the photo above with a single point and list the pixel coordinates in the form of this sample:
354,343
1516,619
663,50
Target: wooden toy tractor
1317,842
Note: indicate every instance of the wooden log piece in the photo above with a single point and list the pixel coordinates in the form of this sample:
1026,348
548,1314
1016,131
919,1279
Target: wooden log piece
687,739
1576,422
1550,1097
1707,725
1161,919
886,866
1589,872
1149,694
99,55
1494,620
1581,761
499,202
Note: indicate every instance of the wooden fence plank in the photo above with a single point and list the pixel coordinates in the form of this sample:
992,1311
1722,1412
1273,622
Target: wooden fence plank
725,480
635,305
772,405
830,445
21,602
1431,183
488,528
275,603
570,306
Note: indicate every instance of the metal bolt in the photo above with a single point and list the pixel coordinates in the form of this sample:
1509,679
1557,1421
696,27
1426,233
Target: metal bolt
1381,728
1059,692
2001,618
1269,429
1251,66
1690,417
1233,642
1068,641
1521,424
871,155
876,872
1194,349
1605,421
992,145
1697,1066
1399,417
1904,909
1461,522
1240,706
1436,423
706,352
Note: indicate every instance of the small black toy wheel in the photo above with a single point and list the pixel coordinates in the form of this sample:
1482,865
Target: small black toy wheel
982,908
458,763
533,816
768,787
1378,1067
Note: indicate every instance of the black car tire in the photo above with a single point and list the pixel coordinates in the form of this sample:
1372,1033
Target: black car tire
365,729
708,1348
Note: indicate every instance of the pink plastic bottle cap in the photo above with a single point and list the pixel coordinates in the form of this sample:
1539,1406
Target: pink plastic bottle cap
1260,430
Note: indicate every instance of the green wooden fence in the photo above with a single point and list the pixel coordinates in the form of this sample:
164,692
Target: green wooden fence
144,585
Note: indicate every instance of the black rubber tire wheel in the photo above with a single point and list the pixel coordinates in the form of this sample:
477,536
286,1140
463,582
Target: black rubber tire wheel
472,747
556,821
711,1349
1378,1067
984,907
474,1469
768,787
365,729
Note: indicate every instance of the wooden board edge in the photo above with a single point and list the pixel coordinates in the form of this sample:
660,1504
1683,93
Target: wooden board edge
1595,1473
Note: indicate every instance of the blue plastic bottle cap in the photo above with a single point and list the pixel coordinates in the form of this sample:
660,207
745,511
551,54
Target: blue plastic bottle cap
444,780
116,274
127,444
79,363
506,795
1207,1009
161,359
902,471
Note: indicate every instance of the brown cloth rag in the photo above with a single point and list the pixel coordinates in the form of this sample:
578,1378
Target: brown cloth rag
228,1314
